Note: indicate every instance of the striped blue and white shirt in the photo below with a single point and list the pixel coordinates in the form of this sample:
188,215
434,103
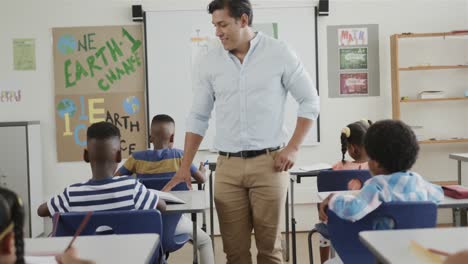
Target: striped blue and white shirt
399,186
113,193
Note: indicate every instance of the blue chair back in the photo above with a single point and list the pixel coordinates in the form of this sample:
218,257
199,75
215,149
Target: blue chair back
159,183
344,234
337,180
170,242
121,222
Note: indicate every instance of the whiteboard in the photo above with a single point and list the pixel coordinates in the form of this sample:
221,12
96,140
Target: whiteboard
175,37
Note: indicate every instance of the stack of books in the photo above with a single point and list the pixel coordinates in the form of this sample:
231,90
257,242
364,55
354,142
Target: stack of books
431,94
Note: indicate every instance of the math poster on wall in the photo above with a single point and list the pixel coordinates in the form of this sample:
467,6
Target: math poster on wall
353,60
99,76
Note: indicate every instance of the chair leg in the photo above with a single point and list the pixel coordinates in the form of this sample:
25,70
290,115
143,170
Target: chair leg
309,238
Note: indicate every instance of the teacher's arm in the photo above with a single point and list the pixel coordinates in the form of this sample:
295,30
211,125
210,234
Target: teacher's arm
192,143
196,126
298,82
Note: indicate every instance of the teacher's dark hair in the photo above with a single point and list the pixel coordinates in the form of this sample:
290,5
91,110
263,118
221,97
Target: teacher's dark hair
236,8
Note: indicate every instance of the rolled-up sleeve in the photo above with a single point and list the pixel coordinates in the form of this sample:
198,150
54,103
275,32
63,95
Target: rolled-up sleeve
202,102
298,82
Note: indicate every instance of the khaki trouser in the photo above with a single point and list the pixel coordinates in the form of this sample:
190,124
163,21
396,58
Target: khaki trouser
250,194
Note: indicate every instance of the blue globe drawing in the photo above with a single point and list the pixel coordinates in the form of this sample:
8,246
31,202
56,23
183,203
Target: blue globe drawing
66,106
67,44
131,105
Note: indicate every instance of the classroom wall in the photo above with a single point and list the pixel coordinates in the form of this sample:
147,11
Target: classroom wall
34,19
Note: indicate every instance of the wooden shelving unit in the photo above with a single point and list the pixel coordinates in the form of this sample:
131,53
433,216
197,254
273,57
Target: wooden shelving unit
430,35
460,140
428,68
396,70
434,100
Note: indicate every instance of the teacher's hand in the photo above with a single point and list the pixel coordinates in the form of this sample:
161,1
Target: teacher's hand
182,175
285,159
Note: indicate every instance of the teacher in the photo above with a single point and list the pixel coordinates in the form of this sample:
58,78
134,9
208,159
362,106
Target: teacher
248,77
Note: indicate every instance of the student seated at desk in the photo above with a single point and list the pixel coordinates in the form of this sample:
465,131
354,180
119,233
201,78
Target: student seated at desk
11,227
352,141
11,232
164,161
103,191
392,149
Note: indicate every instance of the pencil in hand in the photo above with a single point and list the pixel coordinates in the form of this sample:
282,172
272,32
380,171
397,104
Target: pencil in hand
80,229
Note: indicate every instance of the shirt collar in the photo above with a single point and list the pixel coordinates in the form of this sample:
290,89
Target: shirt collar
253,43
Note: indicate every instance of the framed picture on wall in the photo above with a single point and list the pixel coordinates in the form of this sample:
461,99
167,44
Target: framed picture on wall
353,59
354,83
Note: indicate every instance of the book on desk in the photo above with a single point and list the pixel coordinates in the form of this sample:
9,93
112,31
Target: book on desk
167,197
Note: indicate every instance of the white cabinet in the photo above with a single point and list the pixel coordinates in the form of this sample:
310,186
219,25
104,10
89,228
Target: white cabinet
21,168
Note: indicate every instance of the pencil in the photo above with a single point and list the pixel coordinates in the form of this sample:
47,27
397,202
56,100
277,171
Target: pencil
439,252
80,228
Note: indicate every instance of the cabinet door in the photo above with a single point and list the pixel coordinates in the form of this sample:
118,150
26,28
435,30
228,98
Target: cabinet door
14,165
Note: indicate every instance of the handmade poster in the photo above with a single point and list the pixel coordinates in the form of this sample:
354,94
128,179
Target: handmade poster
24,55
353,84
352,36
99,76
353,58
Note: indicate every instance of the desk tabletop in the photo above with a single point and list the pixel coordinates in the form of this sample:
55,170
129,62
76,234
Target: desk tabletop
136,248
448,202
459,156
393,246
194,202
310,170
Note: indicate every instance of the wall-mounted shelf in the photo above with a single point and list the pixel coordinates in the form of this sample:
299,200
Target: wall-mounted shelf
431,35
442,141
435,67
434,100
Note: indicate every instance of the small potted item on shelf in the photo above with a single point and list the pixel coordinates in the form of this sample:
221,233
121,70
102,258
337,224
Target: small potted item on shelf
431,94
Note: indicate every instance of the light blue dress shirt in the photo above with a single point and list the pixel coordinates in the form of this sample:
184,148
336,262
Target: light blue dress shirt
250,97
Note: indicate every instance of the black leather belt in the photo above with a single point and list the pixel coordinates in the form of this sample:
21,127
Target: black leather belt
248,153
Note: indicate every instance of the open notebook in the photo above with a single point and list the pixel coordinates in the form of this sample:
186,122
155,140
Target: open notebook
167,197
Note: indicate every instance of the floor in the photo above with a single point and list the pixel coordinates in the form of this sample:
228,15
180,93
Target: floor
184,255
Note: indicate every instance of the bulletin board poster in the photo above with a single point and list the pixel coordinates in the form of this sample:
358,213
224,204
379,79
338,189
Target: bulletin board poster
353,60
99,76
353,83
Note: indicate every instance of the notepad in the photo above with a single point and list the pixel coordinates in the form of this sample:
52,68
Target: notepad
424,253
316,167
168,197
40,259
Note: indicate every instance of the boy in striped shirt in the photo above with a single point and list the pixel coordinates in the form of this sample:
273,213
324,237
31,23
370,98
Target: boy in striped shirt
392,149
163,160
102,192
